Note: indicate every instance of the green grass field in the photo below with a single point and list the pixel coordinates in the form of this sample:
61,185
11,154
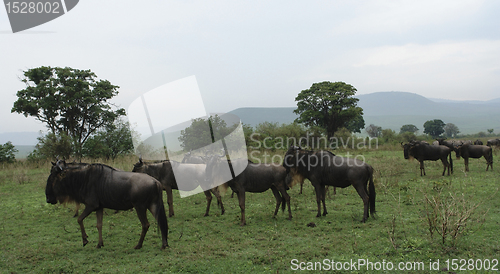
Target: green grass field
462,211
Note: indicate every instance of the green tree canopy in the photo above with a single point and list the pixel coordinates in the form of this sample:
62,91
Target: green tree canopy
408,128
434,127
7,151
109,143
199,133
330,105
69,101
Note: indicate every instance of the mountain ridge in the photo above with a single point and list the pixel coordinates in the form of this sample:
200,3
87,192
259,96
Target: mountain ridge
387,109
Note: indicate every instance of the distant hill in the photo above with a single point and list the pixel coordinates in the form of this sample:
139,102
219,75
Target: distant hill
385,109
394,109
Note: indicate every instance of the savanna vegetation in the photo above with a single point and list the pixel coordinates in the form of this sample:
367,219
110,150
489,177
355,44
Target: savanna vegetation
422,223
418,220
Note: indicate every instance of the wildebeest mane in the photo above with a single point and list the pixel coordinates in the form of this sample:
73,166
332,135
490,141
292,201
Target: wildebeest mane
73,182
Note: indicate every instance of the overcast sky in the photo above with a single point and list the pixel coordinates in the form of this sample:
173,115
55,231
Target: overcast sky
263,53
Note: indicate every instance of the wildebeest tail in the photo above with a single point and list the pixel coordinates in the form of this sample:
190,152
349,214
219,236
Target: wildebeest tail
371,192
161,217
451,162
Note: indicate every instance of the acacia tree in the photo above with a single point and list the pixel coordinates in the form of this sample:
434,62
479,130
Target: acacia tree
69,101
434,127
330,105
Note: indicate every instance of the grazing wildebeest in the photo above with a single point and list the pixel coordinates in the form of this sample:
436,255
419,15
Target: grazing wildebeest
450,144
493,142
467,151
323,168
255,178
478,142
424,152
163,172
99,186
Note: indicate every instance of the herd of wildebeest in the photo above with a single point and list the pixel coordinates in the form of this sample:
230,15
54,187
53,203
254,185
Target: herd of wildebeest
99,186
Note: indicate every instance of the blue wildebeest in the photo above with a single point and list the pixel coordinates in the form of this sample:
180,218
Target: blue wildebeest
99,186
478,142
467,151
493,142
425,152
323,168
255,178
164,172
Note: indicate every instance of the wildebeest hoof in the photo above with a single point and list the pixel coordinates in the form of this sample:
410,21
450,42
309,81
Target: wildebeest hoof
311,224
137,247
164,246
99,245
85,242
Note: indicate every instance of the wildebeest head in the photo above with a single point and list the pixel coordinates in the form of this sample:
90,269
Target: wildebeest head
290,157
457,149
212,164
407,149
139,166
56,172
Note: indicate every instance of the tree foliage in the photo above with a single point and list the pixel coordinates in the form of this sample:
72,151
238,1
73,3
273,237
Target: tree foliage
434,127
374,131
7,153
199,133
52,146
330,105
113,141
408,128
451,130
69,101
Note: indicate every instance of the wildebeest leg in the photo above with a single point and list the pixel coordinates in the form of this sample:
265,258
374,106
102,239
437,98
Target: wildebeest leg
241,200
141,213
277,196
323,197
99,213
77,209
286,199
158,211
362,191
445,165
466,162
208,195
216,192
86,212
301,186
422,168
170,202
318,189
